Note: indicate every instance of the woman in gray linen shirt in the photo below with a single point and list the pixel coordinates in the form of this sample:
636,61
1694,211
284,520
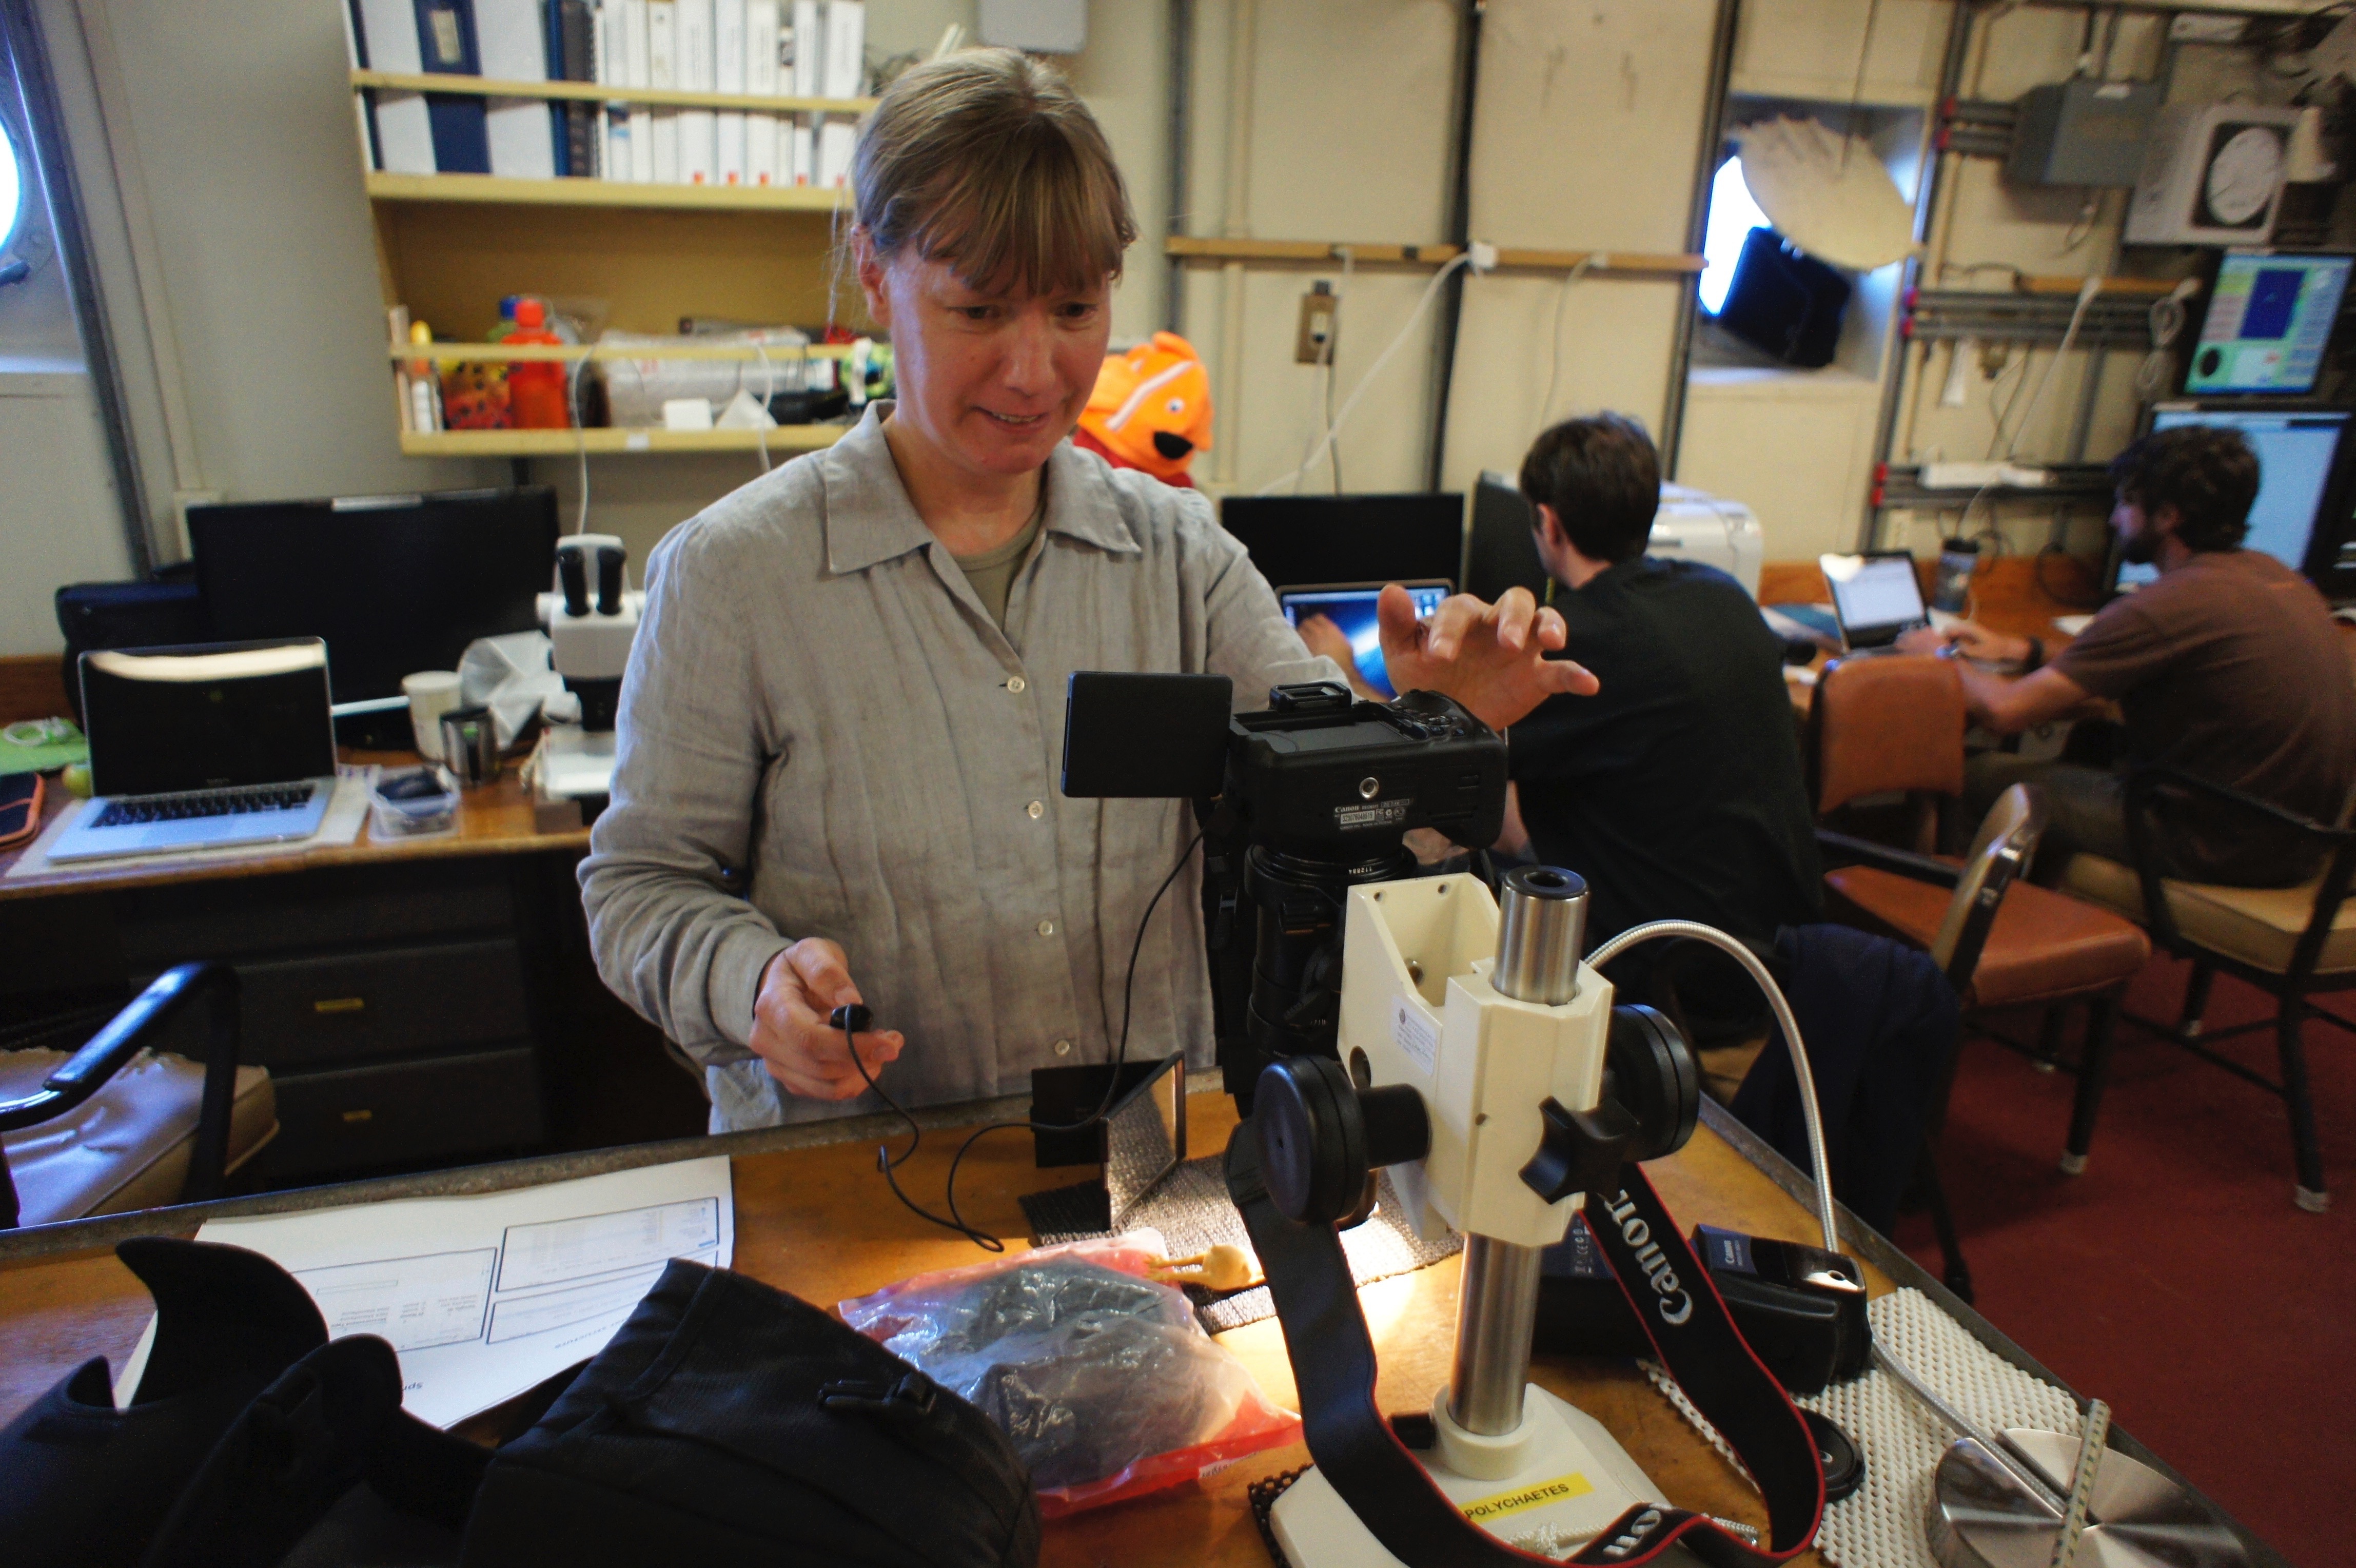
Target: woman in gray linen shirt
839,732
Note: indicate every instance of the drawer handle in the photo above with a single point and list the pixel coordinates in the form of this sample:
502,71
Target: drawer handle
339,1004
359,1115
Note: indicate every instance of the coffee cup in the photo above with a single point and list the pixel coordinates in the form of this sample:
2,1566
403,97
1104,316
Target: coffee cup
431,694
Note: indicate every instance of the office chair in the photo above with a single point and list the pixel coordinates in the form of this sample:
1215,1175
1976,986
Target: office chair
115,1126
2290,942
1895,726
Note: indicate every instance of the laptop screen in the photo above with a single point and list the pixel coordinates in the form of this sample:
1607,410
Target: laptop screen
1874,594
1351,606
211,716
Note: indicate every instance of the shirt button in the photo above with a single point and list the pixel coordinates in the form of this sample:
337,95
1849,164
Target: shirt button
1036,809
1016,686
1046,927
1063,1048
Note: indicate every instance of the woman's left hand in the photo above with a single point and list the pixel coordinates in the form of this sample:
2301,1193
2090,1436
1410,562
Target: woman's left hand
1490,658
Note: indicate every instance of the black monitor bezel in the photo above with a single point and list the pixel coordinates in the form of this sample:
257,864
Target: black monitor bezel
1327,564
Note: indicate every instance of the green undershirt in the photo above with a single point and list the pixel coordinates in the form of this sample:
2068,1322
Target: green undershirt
992,572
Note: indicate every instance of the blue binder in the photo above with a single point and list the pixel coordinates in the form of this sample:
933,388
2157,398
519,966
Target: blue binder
445,47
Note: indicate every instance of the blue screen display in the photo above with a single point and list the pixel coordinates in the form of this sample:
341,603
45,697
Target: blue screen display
1353,609
2269,322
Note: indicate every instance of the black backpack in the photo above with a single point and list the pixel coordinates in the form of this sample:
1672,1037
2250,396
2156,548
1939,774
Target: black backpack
730,1423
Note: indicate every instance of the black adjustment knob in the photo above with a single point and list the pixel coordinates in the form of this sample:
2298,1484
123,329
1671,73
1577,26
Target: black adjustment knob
572,575
1321,1137
1649,1070
609,580
1580,1151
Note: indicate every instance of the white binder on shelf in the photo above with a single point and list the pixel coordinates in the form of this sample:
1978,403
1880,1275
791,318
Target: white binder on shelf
662,71
632,33
388,42
511,47
623,123
761,81
845,74
729,69
809,55
698,159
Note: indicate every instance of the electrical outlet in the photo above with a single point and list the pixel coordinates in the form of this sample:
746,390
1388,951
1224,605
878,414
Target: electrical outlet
1314,345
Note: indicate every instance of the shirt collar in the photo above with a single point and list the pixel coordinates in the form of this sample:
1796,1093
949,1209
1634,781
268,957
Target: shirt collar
870,520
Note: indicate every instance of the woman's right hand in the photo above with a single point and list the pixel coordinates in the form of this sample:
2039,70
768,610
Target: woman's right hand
791,1032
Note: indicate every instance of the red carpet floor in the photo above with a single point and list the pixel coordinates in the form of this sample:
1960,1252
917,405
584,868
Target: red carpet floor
2175,1278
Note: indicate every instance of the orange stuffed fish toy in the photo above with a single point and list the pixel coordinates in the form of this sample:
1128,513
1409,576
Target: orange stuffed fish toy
1151,409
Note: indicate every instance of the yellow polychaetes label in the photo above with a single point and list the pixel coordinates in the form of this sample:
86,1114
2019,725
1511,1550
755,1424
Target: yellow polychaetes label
1561,1489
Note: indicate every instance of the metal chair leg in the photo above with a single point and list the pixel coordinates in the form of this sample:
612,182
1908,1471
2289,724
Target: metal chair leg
2048,1037
2309,1194
1956,1272
2188,1023
2093,1075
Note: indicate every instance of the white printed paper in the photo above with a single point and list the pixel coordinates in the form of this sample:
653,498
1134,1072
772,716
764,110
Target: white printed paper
484,1296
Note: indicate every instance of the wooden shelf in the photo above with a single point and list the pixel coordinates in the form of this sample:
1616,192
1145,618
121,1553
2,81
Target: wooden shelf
601,93
785,439
483,188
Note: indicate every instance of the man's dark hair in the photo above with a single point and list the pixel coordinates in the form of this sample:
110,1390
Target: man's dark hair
2208,474
1603,478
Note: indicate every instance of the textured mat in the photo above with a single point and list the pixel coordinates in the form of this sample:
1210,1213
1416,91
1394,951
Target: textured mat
1193,1213
1880,1524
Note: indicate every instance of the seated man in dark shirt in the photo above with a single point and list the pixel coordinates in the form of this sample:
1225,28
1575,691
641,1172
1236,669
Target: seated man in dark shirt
1676,789
2227,667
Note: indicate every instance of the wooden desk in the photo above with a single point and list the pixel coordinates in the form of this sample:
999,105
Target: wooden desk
496,819
415,1000
811,1219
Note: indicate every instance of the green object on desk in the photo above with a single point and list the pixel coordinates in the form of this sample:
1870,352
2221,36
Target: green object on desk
41,746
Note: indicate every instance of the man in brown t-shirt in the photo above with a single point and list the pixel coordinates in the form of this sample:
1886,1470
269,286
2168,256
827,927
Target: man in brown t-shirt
2227,666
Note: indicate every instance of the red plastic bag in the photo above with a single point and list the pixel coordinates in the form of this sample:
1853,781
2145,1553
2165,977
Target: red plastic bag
1102,1377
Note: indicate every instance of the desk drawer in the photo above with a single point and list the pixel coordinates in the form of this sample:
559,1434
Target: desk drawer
254,917
405,1113
398,1001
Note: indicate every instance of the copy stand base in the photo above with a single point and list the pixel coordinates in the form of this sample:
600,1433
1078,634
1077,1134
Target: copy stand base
1568,1480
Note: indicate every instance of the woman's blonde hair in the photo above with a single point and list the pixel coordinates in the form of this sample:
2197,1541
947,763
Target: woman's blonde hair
987,159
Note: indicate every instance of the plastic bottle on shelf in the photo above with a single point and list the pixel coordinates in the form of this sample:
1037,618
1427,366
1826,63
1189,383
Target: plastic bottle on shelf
506,321
424,384
537,398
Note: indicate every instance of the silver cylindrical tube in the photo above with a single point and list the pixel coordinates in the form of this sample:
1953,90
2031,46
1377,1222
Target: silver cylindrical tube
1541,930
1497,1313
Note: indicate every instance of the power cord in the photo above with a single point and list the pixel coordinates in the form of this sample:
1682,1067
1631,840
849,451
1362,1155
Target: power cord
854,1018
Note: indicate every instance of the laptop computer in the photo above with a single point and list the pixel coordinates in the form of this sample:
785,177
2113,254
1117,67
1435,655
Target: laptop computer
1351,606
202,746
1877,598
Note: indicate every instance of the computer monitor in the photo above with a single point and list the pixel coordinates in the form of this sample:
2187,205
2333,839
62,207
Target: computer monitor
1296,541
1352,608
2269,322
1502,551
395,584
2301,515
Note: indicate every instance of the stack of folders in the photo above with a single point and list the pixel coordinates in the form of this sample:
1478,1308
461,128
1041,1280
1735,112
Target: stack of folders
804,48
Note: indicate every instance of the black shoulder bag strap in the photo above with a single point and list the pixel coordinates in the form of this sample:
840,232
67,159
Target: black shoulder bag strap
1334,1366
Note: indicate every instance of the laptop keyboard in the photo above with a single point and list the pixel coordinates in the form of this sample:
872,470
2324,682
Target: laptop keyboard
133,810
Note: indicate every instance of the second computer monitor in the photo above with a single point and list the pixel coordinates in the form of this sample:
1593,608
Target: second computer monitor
1296,541
1500,550
2301,516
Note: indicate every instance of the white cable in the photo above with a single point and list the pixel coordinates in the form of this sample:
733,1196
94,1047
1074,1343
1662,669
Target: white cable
1430,293
580,440
1554,339
1322,406
2086,293
1783,1009
768,391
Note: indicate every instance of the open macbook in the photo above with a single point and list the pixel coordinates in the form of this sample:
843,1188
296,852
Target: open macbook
202,746
1876,597
1351,606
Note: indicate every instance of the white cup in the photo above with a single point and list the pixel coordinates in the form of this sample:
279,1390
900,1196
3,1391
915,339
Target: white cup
431,694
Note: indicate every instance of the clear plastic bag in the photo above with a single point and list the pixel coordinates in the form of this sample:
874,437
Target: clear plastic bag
1104,1380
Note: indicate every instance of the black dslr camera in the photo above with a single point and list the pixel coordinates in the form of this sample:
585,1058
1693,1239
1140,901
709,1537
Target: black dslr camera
1299,804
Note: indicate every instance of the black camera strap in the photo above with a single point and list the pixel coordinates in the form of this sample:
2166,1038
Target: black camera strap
1380,1478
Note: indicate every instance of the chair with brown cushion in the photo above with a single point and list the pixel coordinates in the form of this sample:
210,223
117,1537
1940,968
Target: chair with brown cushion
2291,942
119,1124
1895,726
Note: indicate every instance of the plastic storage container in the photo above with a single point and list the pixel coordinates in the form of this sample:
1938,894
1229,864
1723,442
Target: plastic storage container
412,803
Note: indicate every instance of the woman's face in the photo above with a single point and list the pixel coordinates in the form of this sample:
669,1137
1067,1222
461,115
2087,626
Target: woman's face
991,382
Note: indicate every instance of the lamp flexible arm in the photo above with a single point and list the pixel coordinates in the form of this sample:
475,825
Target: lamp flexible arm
1782,1009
